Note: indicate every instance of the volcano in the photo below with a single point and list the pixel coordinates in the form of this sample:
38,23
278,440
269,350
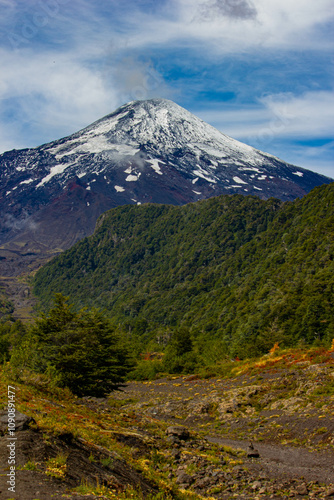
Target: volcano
151,151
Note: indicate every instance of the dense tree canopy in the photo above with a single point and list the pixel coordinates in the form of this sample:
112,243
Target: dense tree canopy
238,271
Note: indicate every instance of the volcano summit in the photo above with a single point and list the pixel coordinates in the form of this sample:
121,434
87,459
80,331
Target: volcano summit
146,151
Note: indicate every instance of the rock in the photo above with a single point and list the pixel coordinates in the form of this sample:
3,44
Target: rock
236,398
252,452
21,422
237,469
133,439
174,440
179,432
191,378
202,483
302,490
256,485
289,405
184,478
227,407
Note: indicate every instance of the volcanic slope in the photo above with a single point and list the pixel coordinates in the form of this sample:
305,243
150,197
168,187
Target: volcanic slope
145,151
246,271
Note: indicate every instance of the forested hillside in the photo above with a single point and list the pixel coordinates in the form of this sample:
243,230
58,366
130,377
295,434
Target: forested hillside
235,272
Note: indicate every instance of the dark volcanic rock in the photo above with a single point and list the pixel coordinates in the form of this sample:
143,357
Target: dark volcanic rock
19,421
178,431
252,452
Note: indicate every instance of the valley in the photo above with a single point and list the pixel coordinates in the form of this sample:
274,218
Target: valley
167,315
185,437
17,268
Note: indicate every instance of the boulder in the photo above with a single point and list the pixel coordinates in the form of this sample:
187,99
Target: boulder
252,452
178,432
184,478
21,422
302,489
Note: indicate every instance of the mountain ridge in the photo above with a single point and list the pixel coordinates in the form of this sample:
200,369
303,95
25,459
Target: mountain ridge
249,272
145,151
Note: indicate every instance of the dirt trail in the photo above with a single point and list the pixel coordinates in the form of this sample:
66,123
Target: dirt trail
287,462
208,459
194,403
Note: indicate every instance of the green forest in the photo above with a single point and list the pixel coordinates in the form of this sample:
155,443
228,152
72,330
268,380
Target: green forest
80,350
232,275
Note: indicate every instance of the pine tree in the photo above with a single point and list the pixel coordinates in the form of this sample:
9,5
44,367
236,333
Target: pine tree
83,349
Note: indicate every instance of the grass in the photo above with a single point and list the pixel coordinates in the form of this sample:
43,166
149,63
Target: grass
235,452
107,462
57,411
86,488
30,465
118,403
322,430
277,358
326,389
57,467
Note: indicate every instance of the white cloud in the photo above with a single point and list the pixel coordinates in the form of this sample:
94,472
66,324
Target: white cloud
282,115
51,94
92,58
274,24
308,115
279,122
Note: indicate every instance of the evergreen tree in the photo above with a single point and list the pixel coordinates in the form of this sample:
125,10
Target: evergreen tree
181,342
83,349
180,357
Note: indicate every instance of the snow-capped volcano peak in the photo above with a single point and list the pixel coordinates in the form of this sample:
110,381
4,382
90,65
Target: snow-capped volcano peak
160,124
147,133
145,151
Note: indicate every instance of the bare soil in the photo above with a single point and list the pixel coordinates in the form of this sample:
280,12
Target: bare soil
294,442
284,414
16,266
37,448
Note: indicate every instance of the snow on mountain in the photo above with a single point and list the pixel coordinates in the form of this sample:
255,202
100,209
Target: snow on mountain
146,151
159,128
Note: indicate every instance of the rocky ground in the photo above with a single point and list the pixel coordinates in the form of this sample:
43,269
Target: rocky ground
17,265
287,415
262,433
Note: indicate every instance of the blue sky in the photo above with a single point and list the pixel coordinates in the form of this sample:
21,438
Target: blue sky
260,71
